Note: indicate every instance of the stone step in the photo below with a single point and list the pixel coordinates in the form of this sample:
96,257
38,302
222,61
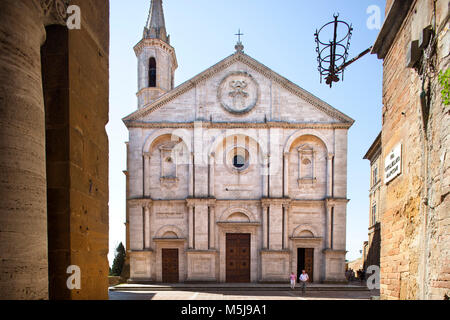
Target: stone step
232,287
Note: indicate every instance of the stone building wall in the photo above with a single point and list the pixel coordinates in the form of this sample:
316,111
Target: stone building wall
169,205
436,270
185,194
54,149
372,246
415,216
237,161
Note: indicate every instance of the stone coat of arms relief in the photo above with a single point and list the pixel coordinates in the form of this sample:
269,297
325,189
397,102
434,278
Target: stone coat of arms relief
238,92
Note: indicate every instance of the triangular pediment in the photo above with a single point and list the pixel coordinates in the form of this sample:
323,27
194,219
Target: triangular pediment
239,89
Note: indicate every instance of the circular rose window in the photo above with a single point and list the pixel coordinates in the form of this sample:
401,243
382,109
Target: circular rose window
238,162
238,159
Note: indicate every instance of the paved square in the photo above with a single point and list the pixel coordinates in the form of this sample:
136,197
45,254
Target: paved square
242,295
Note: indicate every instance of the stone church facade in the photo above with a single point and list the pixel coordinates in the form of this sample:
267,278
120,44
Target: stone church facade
237,175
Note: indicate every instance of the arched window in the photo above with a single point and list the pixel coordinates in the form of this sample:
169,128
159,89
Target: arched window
152,73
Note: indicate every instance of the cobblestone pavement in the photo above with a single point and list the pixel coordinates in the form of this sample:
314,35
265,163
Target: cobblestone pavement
243,295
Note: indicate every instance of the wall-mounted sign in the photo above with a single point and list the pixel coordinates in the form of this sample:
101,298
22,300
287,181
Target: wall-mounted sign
393,164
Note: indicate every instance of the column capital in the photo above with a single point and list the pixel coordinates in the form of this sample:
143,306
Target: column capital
287,205
146,155
330,156
147,204
54,11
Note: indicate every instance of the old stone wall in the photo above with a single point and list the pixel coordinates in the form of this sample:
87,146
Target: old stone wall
414,251
436,269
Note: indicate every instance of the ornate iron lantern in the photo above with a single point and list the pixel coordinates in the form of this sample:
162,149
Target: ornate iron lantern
332,54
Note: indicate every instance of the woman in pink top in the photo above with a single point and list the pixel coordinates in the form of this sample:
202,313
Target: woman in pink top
293,278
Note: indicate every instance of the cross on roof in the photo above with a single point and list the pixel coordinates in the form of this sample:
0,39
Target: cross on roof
239,34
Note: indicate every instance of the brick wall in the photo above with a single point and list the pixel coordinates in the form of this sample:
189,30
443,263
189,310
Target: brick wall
414,238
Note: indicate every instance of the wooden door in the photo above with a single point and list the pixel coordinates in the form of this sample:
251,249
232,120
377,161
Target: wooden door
309,263
170,271
238,258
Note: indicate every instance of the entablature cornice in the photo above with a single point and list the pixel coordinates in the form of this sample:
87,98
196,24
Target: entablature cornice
334,201
140,202
235,125
192,202
267,202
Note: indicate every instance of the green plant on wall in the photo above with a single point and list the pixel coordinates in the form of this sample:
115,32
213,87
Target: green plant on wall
444,79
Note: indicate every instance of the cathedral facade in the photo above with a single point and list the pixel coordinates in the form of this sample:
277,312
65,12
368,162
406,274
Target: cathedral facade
237,175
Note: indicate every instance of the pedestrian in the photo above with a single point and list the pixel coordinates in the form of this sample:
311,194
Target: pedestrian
363,276
303,280
293,278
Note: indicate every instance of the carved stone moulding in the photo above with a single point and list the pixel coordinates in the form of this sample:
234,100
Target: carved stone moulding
54,11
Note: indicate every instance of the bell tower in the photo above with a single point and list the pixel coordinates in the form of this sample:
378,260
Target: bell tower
157,61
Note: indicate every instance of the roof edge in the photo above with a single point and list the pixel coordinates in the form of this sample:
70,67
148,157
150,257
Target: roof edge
392,24
373,148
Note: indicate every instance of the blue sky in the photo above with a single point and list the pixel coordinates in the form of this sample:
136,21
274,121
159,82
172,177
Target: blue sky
279,34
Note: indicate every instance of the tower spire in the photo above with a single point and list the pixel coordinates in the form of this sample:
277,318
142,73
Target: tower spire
156,25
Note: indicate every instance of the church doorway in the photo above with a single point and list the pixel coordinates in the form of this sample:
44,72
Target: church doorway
305,261
237,258
170,269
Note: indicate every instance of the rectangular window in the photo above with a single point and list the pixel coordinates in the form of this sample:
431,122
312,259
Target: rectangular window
375,176
374,214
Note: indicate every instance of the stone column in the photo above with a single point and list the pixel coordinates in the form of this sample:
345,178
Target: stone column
329,225
147,227
212,225
266,176
286,174
191,226
211,174
191,176
147,174
330,175
287,208
23,205
265,231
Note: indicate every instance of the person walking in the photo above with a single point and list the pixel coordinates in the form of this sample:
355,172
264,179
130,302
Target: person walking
303,280
293,278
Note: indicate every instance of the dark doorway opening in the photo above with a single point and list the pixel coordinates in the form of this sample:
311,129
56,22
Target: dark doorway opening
305,261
